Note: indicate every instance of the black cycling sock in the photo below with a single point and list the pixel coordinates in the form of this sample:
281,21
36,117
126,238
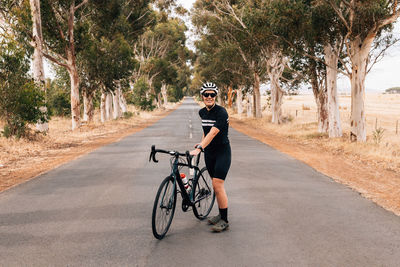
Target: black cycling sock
224,214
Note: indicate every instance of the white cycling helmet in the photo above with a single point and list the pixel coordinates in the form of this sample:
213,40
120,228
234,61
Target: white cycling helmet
209,87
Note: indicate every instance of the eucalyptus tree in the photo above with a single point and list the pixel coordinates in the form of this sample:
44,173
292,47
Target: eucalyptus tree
221,63
67,25
59,19
107,60
366,23
253,23
162,54
216,24
329,40
302,30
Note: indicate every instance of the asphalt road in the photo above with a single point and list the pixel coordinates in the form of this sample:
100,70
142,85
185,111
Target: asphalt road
96,211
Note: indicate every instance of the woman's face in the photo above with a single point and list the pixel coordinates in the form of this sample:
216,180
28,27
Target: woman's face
209,98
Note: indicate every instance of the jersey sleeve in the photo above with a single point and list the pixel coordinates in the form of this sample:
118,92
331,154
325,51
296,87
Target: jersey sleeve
200,113
222,120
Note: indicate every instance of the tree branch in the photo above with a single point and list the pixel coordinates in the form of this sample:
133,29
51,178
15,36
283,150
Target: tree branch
56,60
314,57
339,13
84,2
381,54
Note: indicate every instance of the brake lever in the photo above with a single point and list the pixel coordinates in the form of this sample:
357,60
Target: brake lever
189,159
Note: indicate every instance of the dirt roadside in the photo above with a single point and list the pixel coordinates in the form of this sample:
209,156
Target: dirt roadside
30,166
380,185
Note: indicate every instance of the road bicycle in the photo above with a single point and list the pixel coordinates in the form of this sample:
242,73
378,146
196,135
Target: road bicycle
199,196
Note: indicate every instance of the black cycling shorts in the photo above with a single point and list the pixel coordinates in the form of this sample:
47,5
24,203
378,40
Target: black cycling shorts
218,161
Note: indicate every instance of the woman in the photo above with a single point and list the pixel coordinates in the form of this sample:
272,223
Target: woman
217,151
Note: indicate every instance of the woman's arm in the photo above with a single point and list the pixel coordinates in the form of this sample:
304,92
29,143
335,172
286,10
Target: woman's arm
205,140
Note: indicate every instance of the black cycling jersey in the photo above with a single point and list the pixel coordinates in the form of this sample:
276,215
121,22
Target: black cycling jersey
216,117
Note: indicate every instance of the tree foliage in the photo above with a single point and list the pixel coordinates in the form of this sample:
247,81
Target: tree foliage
20,99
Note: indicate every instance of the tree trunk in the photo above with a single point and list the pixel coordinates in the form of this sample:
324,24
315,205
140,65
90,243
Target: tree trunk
159,100
164,94
122,101
152,91
276,103
275,67
103,106
239,99
321,99
249,105
37,63
256,96
230,93
73,71
75,101
108,105
220,100
334,124
359,57
322,110
88,109
116,107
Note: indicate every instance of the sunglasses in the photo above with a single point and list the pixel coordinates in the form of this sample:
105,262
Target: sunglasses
210,94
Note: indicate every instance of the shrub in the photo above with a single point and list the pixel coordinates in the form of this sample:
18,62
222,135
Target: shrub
128,114
377,135
20,98
141,95
58,100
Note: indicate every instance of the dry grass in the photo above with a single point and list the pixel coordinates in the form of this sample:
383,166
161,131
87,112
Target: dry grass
381,111
18,158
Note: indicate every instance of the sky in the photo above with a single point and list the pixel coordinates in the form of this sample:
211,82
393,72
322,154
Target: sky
385,74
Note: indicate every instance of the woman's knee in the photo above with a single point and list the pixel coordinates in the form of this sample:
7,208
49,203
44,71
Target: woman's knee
218,184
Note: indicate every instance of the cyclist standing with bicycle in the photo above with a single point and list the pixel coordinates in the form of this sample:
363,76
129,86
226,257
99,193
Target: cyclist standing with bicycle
217,150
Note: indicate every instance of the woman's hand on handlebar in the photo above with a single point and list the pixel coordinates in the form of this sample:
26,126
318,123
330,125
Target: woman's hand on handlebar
195,152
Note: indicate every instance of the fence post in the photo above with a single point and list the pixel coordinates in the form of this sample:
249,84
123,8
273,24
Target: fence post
397,126
376,123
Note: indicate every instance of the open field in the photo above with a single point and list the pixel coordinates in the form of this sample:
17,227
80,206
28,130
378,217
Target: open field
370,168
382,110
21,160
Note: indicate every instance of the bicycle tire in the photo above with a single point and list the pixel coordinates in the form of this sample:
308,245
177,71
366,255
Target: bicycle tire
163,208
203,189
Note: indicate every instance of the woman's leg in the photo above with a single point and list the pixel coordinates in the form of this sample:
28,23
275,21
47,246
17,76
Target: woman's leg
219,189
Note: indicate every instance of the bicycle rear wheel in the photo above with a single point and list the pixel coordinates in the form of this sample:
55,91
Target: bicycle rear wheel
203,195
164,208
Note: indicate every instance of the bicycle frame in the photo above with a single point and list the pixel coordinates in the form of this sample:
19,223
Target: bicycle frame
188,199
176,174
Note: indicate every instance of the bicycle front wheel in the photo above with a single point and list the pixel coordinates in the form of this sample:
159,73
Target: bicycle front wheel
203,195
164,208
